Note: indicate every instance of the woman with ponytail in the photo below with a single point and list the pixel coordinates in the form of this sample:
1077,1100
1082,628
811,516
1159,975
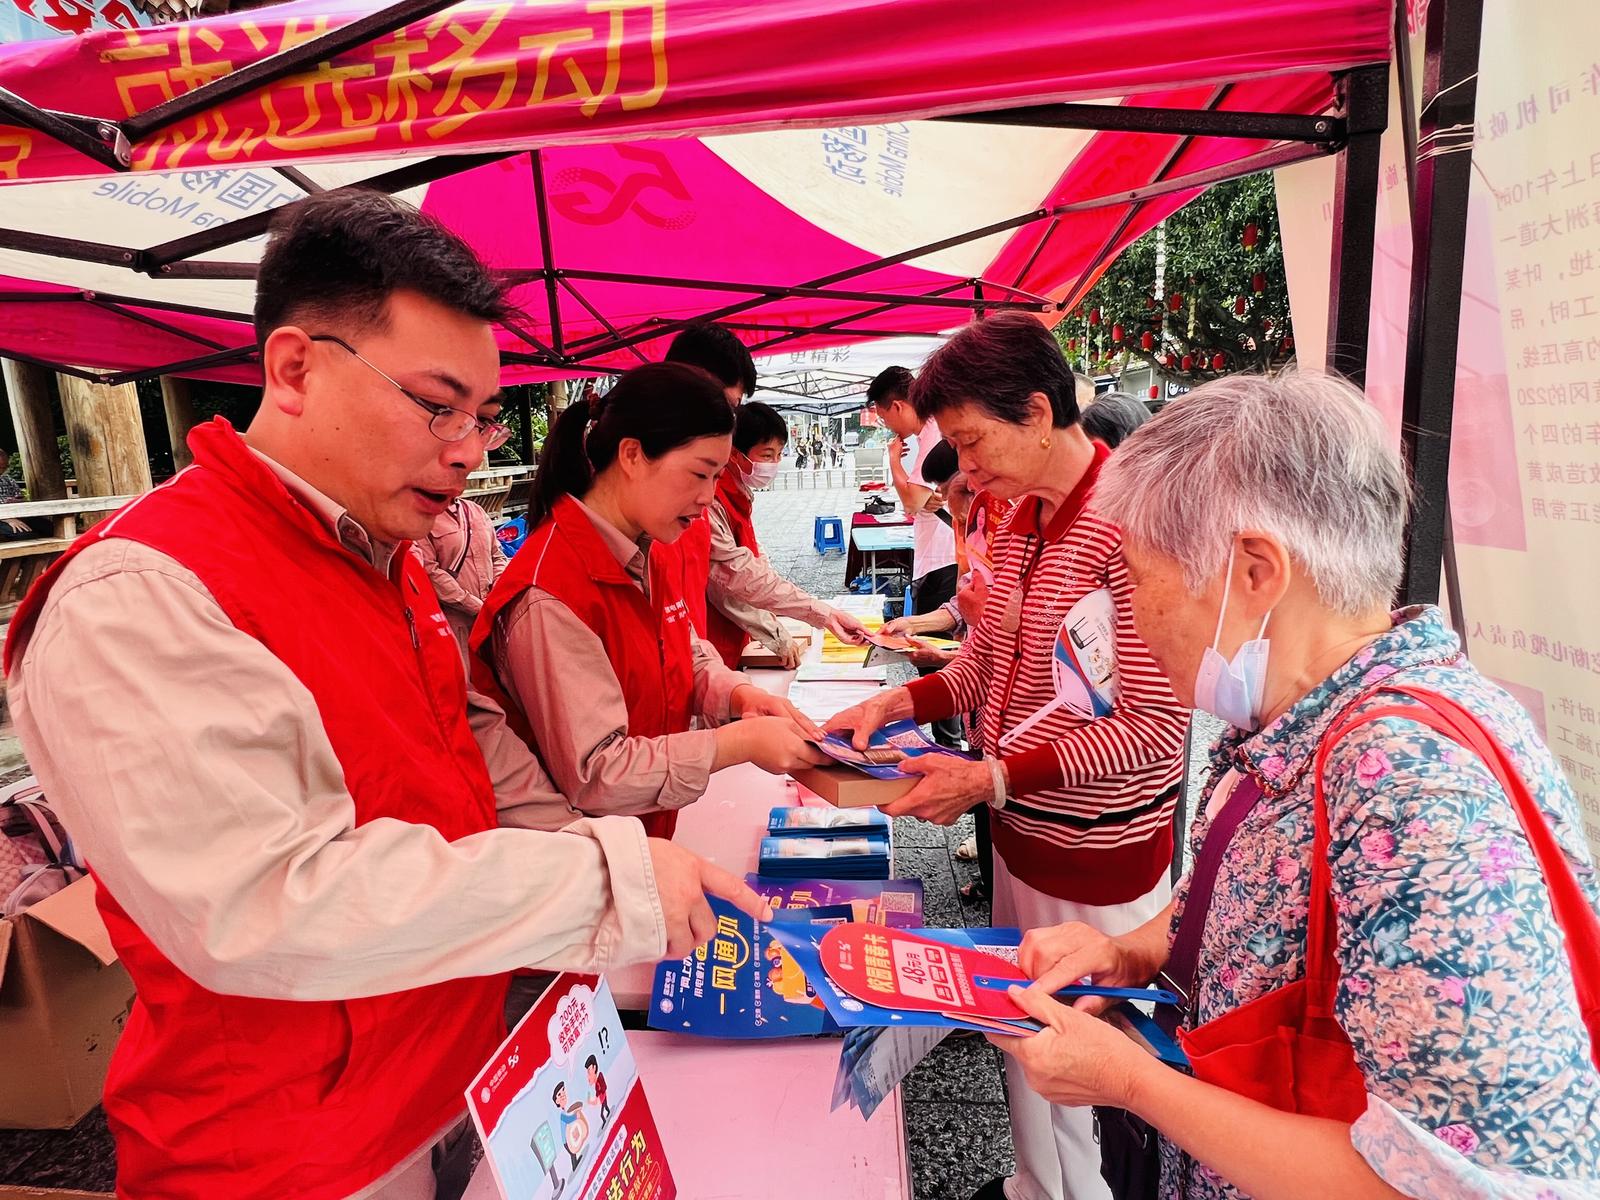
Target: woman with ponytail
585,639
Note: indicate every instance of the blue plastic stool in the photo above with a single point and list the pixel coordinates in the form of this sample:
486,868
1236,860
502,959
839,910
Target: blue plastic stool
827,533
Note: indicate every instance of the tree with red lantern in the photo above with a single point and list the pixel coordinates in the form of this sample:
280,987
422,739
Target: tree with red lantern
1226,298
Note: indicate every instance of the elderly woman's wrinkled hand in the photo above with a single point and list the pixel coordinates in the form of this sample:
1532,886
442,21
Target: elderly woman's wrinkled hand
1075,1059
950,786
1061,955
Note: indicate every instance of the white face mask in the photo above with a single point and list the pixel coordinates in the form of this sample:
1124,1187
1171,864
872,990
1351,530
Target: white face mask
1232,691
761,475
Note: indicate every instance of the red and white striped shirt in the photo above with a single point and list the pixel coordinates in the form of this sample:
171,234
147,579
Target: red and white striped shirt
1093,801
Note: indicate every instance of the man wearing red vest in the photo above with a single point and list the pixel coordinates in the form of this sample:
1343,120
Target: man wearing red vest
318,856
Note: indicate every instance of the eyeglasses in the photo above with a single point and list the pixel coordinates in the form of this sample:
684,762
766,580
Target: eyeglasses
445,423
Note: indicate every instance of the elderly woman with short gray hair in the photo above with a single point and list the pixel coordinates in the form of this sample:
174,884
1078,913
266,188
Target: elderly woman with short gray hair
1388,943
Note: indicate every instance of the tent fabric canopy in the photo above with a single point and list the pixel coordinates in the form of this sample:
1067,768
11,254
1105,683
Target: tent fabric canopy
553,137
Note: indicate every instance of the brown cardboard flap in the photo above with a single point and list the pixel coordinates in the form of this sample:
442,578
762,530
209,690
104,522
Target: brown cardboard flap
71,913
19,1192
5,947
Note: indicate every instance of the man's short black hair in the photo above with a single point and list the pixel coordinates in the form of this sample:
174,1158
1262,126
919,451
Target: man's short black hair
940,464
335,259
892,383
717,349
555,1096
756,423
591,1061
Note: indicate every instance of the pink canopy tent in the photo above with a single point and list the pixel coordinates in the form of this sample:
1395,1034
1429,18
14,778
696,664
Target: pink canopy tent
855,171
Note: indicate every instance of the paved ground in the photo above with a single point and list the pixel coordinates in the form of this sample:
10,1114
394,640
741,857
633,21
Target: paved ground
955,1102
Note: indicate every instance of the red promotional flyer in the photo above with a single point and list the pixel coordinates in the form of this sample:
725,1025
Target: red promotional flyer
901,970
560,1109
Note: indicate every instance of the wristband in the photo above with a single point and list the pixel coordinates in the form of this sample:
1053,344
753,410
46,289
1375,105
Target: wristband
1001,792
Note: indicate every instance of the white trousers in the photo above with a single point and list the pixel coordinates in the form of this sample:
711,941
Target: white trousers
1057,1156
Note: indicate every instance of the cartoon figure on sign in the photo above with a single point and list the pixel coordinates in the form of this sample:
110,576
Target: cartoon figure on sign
597,1088
574,1125
543,1144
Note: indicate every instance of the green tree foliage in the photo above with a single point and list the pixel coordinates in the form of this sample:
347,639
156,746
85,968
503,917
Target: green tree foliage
1225,306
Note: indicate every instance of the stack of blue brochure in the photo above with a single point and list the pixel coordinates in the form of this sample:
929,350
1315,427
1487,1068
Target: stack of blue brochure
788,856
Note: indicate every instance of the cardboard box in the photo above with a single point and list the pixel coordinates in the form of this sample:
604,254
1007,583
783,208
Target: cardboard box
845,787
19,1192
64,999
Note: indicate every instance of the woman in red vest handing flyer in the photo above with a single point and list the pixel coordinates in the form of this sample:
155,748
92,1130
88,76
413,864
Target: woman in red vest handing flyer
587,641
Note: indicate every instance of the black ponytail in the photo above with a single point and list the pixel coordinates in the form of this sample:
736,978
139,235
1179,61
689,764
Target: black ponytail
662,405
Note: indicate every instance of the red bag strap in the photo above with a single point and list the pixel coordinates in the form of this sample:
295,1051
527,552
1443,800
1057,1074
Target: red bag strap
1577,919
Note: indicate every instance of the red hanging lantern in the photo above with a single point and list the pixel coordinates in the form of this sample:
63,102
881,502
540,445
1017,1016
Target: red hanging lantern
1188,362
1218,362
1248,237
1155,392
1116,335
1240,306
1147,340
1258,283
1072,345
1175,302
1094,317
1288,343
1266,324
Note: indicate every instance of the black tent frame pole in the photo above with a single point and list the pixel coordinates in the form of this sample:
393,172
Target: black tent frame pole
1438,239
1365,95
552,297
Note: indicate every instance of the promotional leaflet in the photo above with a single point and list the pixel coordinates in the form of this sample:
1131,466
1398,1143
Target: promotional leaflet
1083,664
893,744
896,902
560,1109
742,984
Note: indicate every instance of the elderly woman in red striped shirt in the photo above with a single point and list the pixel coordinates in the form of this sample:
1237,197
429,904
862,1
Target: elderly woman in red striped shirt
1082,794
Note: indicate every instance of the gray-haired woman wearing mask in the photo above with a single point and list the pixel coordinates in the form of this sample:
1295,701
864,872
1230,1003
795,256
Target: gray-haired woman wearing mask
1388,941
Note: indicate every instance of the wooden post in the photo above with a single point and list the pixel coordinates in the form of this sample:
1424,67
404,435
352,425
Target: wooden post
179,402
107,437
28,388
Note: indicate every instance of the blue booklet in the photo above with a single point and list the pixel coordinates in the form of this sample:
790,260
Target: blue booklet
743,983
893,744
825,821
825,857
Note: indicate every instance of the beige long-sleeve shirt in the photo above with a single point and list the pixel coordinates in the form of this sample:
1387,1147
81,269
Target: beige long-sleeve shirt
556,669
745,589
193,770
463,559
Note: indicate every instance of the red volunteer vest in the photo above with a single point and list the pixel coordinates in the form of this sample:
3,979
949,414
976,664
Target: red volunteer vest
646,640
211,1095
687,564
726,635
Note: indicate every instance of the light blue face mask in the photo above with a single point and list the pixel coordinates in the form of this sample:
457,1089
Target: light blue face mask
1233,691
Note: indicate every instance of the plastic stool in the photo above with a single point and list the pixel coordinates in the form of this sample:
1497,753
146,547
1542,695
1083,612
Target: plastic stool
827,533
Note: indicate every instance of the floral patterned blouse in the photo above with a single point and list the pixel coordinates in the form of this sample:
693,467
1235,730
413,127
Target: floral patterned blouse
1455,988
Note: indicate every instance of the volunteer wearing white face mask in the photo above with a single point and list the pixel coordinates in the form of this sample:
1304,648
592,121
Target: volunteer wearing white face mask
746,596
